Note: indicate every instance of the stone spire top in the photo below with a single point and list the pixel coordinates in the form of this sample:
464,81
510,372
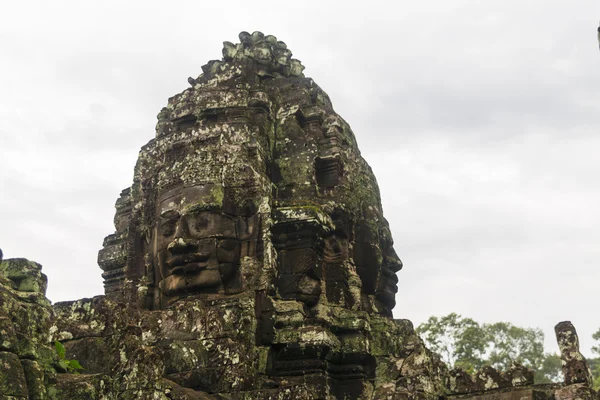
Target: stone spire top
265,50
271,58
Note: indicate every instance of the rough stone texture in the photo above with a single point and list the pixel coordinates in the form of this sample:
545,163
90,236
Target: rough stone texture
34,375
488,379
574,365
211,347
515,394
12,381
24,275
26,359
461,382
250,260
578,391
519,375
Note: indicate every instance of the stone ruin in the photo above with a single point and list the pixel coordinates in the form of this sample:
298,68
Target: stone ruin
251,260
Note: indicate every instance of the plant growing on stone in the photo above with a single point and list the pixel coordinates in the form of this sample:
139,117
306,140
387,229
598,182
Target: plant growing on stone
71,366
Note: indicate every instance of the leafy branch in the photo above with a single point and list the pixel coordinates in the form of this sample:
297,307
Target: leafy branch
72,366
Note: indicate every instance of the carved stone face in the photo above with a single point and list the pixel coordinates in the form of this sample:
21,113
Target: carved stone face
377,263
387,285
296,239
197,245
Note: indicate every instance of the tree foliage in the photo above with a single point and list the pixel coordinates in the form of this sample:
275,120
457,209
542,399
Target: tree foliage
463,342
596,336
460,341
550,371
595,362
507,343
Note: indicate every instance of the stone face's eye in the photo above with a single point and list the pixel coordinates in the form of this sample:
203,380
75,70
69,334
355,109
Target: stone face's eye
228,251
201,221
167,228
168,222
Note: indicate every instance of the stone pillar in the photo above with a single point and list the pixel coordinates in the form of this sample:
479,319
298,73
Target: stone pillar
574,365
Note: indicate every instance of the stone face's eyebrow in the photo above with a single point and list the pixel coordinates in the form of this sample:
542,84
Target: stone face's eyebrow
169,214
200,207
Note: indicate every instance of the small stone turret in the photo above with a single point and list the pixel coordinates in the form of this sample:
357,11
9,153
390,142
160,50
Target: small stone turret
574,365
577,373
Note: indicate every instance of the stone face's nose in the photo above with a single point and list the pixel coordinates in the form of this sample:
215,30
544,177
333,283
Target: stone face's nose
181,229
180,245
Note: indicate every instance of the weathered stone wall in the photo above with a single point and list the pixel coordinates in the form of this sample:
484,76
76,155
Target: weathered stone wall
27,362
198,349
211,347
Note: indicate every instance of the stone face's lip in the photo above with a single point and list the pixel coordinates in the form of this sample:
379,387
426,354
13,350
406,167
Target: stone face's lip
391,283
187,262
189,269
390,274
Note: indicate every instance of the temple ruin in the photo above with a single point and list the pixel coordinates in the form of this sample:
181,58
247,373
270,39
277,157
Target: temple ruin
250,260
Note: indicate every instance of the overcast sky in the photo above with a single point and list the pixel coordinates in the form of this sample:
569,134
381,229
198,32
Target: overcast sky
480,119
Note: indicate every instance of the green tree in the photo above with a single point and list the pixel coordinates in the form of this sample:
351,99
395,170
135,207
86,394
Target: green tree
463,342
550,371
460,341
596,336
595,362
507,343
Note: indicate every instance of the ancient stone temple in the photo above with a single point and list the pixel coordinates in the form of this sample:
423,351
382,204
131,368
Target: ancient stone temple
252,186
251,260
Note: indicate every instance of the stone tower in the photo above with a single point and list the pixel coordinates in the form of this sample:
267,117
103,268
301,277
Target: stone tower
253,195
252,184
